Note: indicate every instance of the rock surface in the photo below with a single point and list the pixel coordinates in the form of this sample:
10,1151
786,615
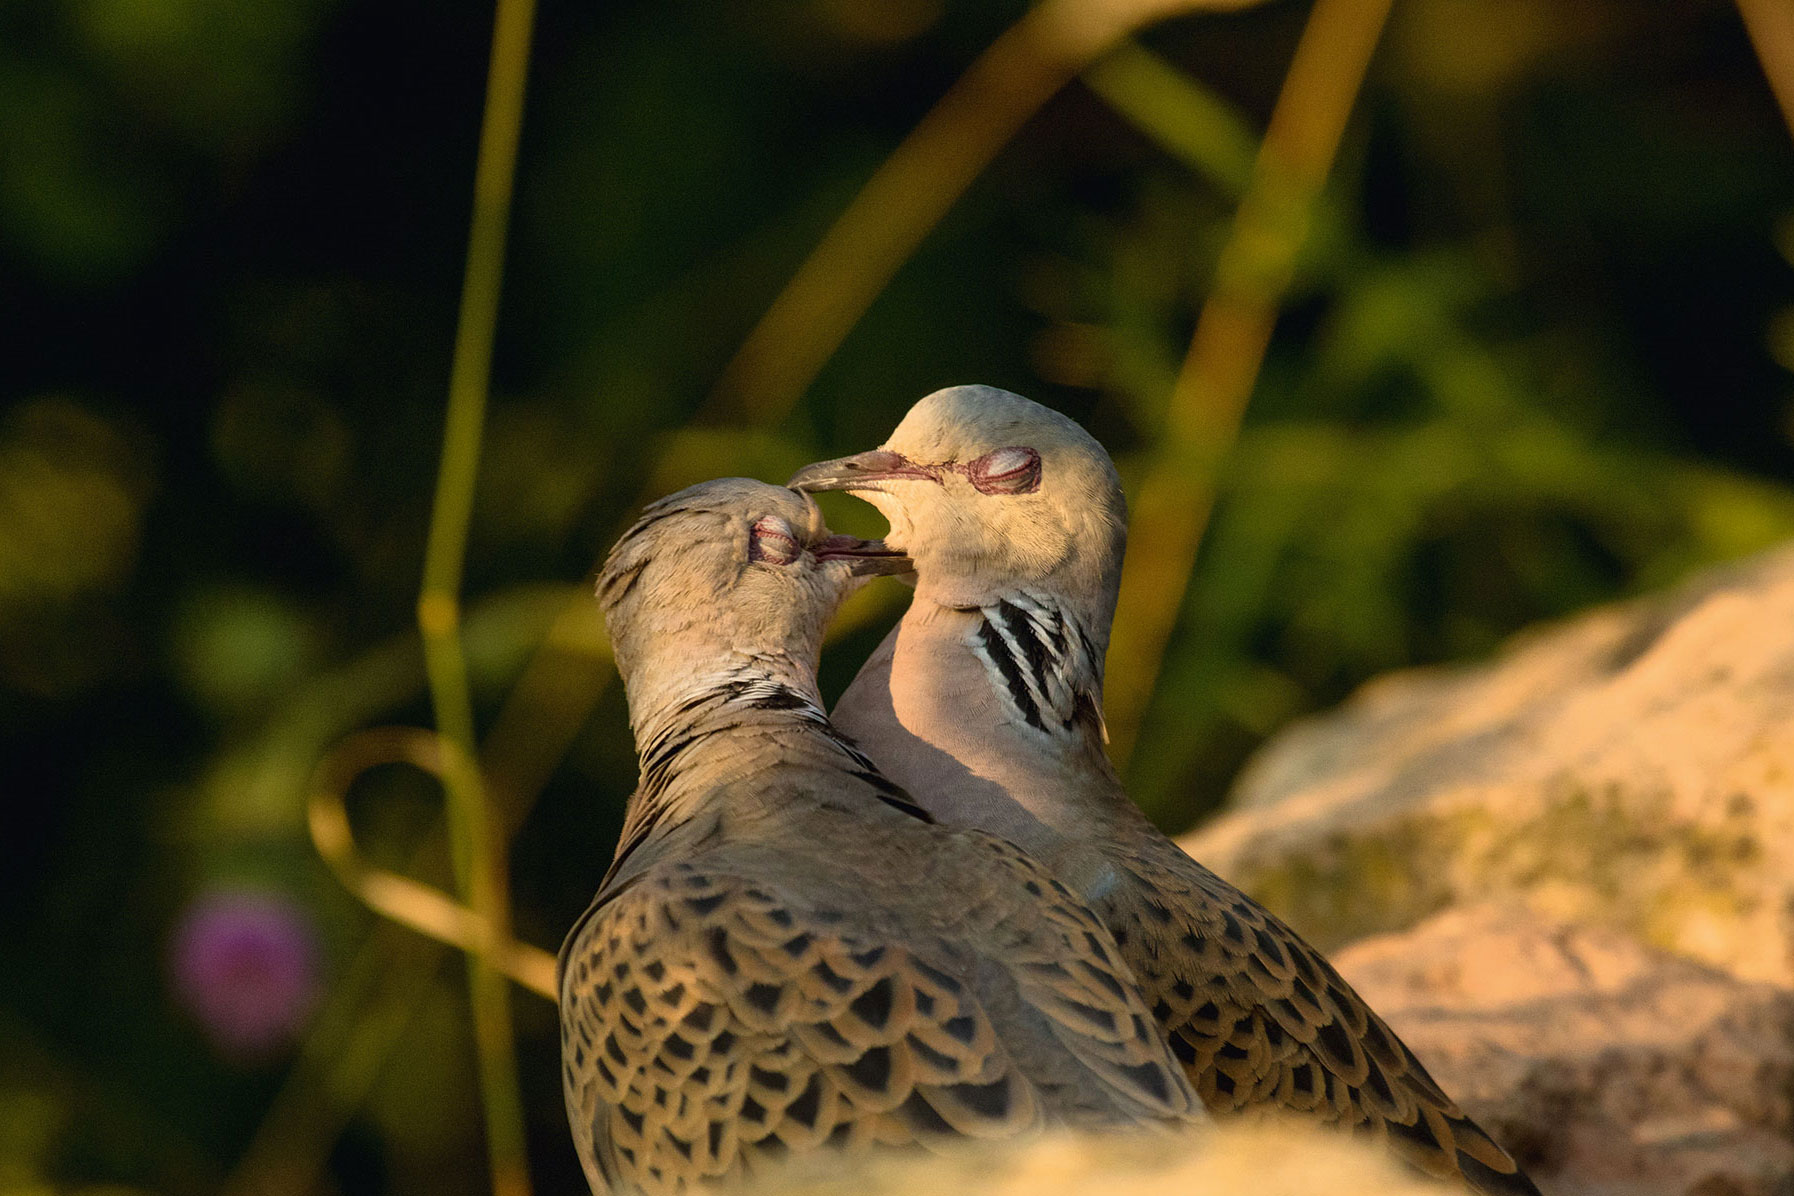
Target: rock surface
1609,1067
1633,767
1579,863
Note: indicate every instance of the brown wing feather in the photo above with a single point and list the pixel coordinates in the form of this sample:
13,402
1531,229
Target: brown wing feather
1070,969
1261,1022
709,1027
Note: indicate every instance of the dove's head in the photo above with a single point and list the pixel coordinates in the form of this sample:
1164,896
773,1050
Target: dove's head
723,579
990,493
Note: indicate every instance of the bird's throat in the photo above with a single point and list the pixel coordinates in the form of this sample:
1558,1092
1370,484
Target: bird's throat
989,717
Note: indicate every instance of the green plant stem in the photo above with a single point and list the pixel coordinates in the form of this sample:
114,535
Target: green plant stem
918,183
1188,120
478,851
1173,500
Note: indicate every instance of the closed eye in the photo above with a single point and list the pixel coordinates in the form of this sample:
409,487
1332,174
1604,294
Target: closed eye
1014,469
773,541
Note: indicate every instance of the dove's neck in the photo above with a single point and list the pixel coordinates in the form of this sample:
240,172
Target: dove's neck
741,740
992,717
674,688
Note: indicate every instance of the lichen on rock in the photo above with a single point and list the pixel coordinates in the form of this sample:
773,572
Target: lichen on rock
1634,766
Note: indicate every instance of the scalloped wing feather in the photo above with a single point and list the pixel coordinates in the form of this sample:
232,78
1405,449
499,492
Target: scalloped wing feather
710,1028
1262,1023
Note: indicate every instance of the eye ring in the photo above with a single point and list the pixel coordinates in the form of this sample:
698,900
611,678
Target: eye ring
773,541
1012,469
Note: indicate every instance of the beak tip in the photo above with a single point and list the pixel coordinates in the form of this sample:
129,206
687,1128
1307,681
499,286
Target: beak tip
868,558
814,478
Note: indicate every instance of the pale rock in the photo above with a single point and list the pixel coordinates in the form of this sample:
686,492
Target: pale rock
1610,1068
1633,767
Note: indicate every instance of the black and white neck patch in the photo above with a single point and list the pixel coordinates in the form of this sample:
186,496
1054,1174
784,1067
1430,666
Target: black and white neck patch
1042,661
723,706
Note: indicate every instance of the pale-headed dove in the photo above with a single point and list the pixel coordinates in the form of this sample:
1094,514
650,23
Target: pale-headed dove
788,953
986,703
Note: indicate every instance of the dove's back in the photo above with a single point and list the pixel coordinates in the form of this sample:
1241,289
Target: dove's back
809,961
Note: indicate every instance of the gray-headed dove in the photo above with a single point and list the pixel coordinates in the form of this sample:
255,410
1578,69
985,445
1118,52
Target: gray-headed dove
788,953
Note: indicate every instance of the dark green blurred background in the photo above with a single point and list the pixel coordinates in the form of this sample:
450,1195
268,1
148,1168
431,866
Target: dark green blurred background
1536,356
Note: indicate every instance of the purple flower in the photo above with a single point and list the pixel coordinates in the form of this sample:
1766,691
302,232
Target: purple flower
245,964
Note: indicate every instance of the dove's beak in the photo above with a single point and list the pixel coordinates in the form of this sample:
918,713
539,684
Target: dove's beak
871,558
862,471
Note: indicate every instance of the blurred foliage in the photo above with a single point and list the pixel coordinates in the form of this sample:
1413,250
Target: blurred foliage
1536,355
